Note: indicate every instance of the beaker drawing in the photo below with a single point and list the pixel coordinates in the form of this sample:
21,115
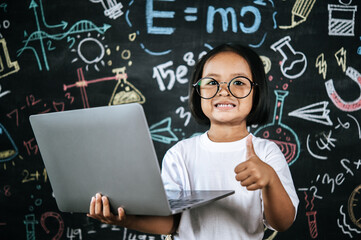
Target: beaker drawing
124,91
341,20
293,63
8,149
285,138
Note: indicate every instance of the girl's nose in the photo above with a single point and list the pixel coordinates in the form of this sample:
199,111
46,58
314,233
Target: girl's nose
223,89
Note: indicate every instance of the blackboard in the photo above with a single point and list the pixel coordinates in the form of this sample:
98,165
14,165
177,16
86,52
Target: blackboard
63,55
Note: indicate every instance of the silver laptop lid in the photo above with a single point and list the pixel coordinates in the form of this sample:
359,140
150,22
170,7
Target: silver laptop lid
104,149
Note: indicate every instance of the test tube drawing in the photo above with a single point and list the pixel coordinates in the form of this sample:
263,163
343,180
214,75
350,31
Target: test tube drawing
294,63
300,11
311,217
281,134
30,226
312,223
341,20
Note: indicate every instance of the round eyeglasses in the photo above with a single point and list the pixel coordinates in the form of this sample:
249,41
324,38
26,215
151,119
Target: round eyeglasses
238,87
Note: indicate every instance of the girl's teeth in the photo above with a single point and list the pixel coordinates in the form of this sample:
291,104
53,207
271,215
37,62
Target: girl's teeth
224,105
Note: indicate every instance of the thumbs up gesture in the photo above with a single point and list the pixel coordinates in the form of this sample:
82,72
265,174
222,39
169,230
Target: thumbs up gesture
254,173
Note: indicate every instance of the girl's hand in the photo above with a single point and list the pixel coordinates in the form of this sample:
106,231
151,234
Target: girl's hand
254,173
99,209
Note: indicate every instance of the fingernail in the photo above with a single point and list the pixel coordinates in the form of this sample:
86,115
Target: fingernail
93,199
97,195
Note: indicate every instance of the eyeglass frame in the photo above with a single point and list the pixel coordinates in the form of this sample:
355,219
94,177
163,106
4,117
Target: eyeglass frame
253,84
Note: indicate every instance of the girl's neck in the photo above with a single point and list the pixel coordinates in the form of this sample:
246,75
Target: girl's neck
222,133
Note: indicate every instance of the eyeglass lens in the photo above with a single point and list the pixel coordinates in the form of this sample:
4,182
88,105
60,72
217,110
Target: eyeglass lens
239,87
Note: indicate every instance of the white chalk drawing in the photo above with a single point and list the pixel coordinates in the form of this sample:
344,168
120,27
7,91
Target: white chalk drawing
316,112
294,63
112,9
341,20
346,228
311,152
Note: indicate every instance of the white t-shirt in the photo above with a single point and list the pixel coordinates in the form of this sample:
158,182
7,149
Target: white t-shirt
199,164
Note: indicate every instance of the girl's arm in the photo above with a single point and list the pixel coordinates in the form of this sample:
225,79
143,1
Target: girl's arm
100,210
256,174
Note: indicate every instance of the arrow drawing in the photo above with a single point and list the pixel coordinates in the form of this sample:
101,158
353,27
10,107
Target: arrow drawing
316,112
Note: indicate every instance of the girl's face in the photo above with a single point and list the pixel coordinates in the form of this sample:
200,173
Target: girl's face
224,108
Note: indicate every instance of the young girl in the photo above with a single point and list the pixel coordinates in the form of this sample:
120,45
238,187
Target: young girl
228,92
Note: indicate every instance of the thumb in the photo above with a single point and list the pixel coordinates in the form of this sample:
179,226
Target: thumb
250,149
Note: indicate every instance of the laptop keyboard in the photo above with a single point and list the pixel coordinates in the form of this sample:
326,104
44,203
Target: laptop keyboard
180,203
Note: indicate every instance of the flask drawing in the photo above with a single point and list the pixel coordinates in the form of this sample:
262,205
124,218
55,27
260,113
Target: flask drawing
8,149
124,91
294,63
285,138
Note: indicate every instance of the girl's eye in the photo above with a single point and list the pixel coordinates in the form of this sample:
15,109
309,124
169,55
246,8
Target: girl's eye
213,82
209,82
237,82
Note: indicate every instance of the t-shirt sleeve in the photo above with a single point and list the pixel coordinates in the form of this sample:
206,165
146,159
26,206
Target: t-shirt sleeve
275,158
172,171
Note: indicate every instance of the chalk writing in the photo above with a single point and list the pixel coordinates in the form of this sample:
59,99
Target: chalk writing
32,102
73,234
332,181
6,191
183,114
2,94
34,176
160,74
7,66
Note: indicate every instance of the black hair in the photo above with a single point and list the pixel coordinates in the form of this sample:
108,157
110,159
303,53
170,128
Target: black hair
260,109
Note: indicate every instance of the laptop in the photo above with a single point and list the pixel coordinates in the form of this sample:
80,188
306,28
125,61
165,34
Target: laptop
108,150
